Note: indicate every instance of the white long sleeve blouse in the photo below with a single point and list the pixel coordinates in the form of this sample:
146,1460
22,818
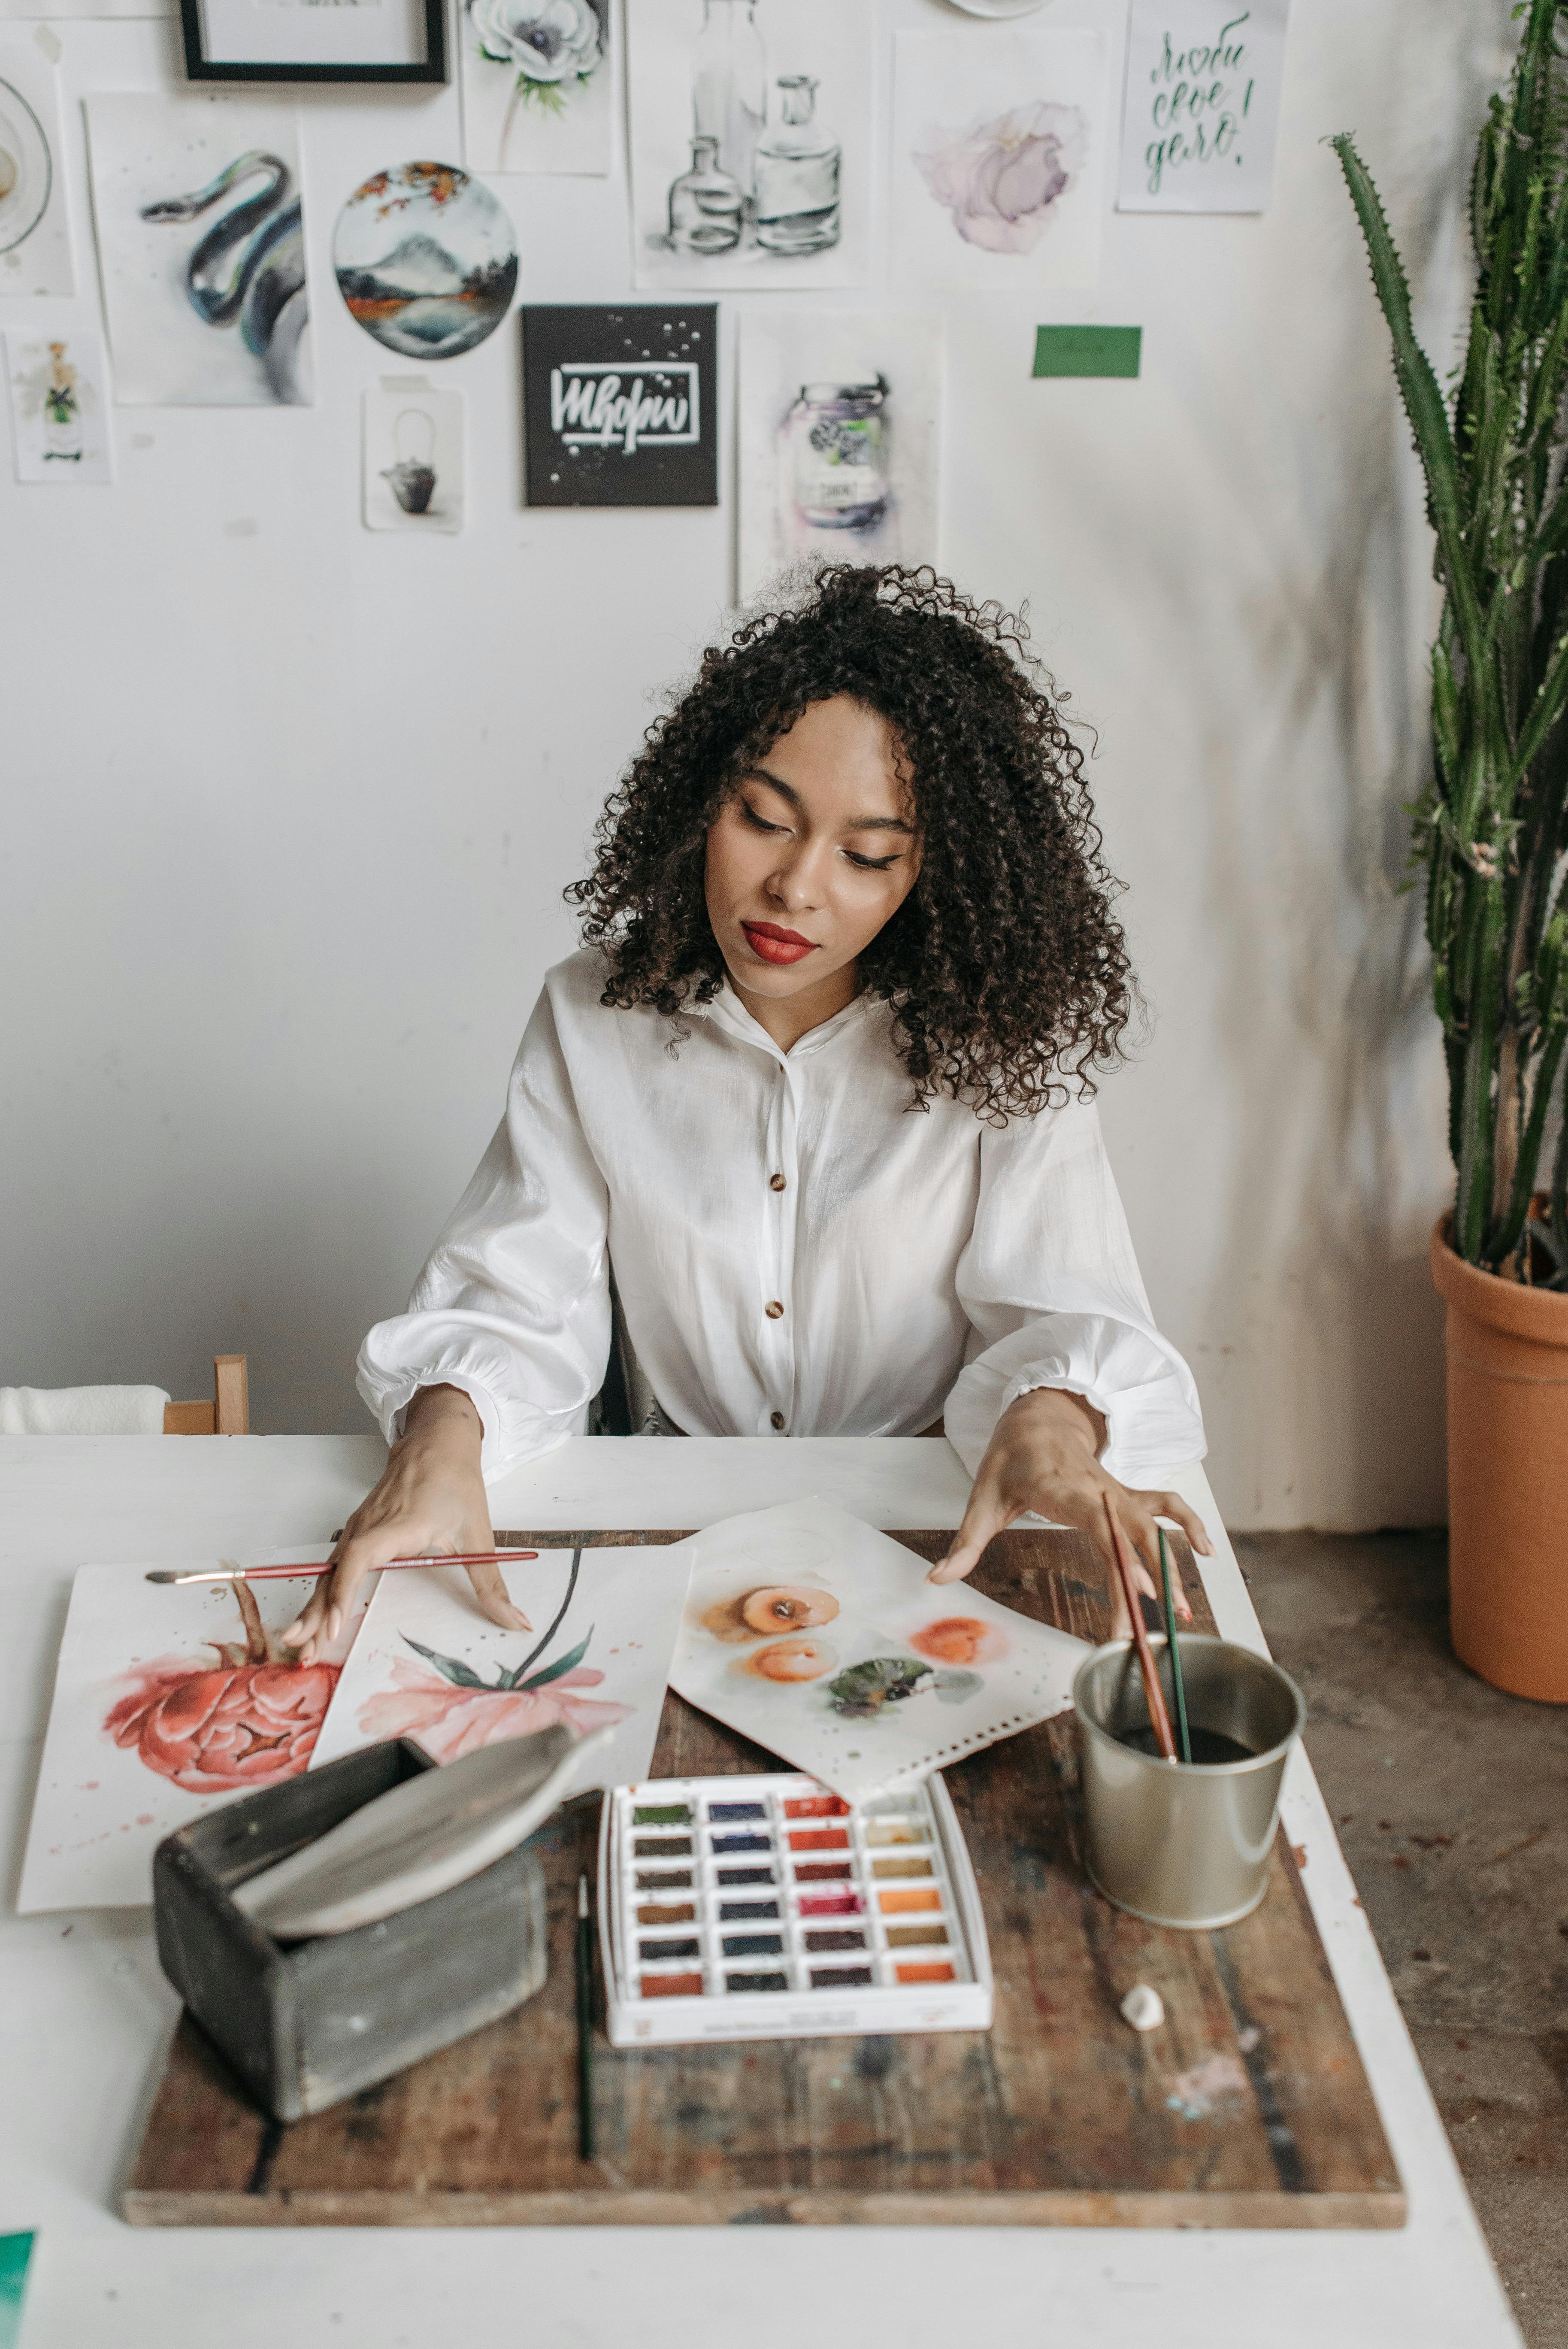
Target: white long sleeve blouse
796,1251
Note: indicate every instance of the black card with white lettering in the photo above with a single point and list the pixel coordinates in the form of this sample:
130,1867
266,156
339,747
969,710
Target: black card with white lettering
620,407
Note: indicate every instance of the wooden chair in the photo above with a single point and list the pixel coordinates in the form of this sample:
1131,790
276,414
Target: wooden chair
228,1413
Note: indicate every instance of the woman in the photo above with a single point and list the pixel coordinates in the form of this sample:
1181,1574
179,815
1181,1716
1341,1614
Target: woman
817,1089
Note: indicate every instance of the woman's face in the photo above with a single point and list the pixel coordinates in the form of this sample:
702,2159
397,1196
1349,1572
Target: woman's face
814,851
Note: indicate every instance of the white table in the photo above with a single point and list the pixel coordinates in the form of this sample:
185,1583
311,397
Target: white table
85,2013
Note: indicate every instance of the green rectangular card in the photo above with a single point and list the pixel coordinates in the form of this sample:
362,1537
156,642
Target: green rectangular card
14,2252
1087,350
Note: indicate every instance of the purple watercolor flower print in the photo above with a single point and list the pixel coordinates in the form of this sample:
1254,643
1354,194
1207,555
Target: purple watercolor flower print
1001,177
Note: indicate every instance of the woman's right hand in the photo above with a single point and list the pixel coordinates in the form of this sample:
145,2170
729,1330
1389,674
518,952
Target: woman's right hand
431,1498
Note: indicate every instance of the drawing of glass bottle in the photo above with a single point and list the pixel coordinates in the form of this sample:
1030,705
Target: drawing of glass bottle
797,176
62,410
730,87
837,435
704,203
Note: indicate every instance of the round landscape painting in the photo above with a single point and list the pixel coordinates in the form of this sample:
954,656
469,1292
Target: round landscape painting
425,260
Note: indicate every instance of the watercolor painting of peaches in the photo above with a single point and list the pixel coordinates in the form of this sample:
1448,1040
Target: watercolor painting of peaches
822,1639
428,1665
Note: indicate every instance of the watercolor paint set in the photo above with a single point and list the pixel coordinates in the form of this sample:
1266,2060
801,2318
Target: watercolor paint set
770,1908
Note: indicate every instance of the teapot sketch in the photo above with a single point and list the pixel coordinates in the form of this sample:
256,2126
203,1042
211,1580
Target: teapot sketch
413,478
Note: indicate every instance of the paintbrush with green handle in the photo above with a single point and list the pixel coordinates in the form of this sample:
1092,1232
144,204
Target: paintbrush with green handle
1183,1737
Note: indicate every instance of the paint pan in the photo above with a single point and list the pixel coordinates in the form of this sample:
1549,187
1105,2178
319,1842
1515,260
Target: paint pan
768,1908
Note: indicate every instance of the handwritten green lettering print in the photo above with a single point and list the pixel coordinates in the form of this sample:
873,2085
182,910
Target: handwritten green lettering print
1202,95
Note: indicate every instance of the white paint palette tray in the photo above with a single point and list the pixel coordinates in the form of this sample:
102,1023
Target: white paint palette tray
769,1907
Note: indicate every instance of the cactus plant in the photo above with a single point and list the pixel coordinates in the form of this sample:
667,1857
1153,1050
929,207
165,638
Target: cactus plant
1492,829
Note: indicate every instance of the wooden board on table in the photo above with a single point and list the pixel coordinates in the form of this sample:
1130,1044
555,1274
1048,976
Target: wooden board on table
1249,2107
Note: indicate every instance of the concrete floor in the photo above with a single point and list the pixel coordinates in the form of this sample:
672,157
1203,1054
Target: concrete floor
1452,1802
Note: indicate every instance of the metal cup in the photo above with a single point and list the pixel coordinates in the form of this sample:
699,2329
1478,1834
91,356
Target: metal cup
1186,1844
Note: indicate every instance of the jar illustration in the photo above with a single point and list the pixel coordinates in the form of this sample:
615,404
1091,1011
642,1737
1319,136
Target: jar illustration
704,203
413,477
729,86
62,410
798,175
836,435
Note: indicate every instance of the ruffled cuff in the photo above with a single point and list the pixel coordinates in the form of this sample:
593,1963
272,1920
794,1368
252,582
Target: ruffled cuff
1141,1388
511,1434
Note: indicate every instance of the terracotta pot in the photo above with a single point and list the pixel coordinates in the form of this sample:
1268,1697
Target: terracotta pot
1508,1476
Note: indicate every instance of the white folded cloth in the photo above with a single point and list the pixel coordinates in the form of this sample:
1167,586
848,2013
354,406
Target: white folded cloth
82,1410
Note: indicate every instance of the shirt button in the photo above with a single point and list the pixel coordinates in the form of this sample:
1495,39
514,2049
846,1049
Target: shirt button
778,1422
774,1311
776,1183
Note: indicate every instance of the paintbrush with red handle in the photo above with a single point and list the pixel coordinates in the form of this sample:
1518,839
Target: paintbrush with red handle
227,1572
1160,1719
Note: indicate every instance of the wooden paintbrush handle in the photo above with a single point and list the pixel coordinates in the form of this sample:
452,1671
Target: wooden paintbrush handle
1160,1719
460,1558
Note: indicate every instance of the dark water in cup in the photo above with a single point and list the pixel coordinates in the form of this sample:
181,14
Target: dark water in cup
1208,1745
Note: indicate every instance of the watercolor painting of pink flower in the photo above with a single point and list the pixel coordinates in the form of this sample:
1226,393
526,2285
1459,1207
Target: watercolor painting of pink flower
452,1718
1003,177
452,1711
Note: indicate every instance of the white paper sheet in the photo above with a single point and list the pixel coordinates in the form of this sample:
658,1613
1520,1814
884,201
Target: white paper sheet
997,161
207,165
1201,105
538,83
790,446
428,1665
689,65
34,228
414,457
899,1676
59,406
163,1709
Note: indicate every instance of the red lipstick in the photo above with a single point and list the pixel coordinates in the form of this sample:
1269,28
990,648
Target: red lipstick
767,940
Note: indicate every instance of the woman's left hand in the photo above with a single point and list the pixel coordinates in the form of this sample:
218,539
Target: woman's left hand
1043,1456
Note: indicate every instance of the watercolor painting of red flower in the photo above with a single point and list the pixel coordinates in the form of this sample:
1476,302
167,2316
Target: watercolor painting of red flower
247,1722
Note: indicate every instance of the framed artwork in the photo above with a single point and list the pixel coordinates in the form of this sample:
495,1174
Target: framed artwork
621,407
752,132
302,40
840,416
34,235
201,250
998,152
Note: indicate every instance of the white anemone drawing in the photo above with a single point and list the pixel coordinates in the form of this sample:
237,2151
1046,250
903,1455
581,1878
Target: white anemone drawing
551,43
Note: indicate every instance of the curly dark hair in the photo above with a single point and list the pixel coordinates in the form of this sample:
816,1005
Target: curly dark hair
1005,968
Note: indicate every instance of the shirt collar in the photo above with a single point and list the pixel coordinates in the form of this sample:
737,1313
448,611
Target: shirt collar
727,1012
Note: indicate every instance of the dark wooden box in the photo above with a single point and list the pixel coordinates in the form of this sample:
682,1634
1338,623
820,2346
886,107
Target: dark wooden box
305,2023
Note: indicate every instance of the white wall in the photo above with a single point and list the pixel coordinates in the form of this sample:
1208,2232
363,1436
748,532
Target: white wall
288,807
